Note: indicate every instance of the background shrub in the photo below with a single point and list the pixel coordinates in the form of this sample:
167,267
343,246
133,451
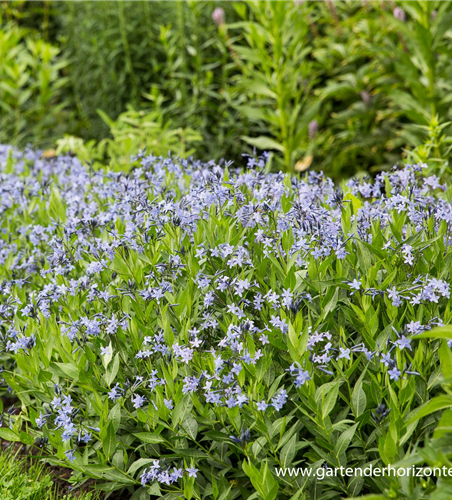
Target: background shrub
370,77
31,102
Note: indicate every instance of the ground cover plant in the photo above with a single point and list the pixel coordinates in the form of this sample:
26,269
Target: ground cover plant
183,330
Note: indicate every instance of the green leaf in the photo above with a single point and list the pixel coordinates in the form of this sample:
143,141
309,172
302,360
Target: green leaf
106,358
44,376
217,436
118,476
225,494
343,443
443,332
115,416
288,451
138,464
65,370
143,494
106,118
191,427
190,453
155,490
182,408
259,88
263,142
359,400
8,434
253,473
108,437
148,437
95,470
329,401
113,370
432,406
26,438
331,306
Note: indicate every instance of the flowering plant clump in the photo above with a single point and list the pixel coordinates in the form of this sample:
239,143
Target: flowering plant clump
184,330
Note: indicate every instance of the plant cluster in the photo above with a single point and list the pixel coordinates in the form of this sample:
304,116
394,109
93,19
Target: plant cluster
31,105
28,481
183,330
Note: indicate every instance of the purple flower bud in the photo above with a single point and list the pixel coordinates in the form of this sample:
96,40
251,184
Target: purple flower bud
399,14
365,96
313,128
218,16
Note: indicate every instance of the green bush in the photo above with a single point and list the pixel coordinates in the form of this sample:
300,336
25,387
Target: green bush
133,131
386,80
31,105
183,330
121,51
339,87
277,77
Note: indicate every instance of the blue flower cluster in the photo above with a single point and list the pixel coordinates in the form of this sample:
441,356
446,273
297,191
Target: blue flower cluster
184,282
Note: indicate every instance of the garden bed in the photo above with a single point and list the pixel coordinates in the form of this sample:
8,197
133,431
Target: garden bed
185,330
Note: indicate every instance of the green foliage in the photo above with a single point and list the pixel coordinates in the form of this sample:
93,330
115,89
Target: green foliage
134,131
384,78
137,130
24,480
436,148
120,51
276,76
368,81
31,109
99,40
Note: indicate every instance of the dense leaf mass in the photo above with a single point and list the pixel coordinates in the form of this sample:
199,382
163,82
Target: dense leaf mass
187,330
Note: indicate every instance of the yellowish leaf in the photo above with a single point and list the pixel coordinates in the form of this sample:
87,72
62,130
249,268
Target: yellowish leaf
49,153
304,164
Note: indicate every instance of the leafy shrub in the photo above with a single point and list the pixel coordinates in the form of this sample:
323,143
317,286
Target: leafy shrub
120,51
135,130
277,76
112,51
366,79
369,77
146,129
183,330
31,109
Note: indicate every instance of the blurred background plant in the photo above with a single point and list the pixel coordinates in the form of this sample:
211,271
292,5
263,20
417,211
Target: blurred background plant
435,149
340,86
32,108
276,76
135,130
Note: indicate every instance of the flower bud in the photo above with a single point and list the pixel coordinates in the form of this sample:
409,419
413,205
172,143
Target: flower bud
218,16
399,14
365,96
313,128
